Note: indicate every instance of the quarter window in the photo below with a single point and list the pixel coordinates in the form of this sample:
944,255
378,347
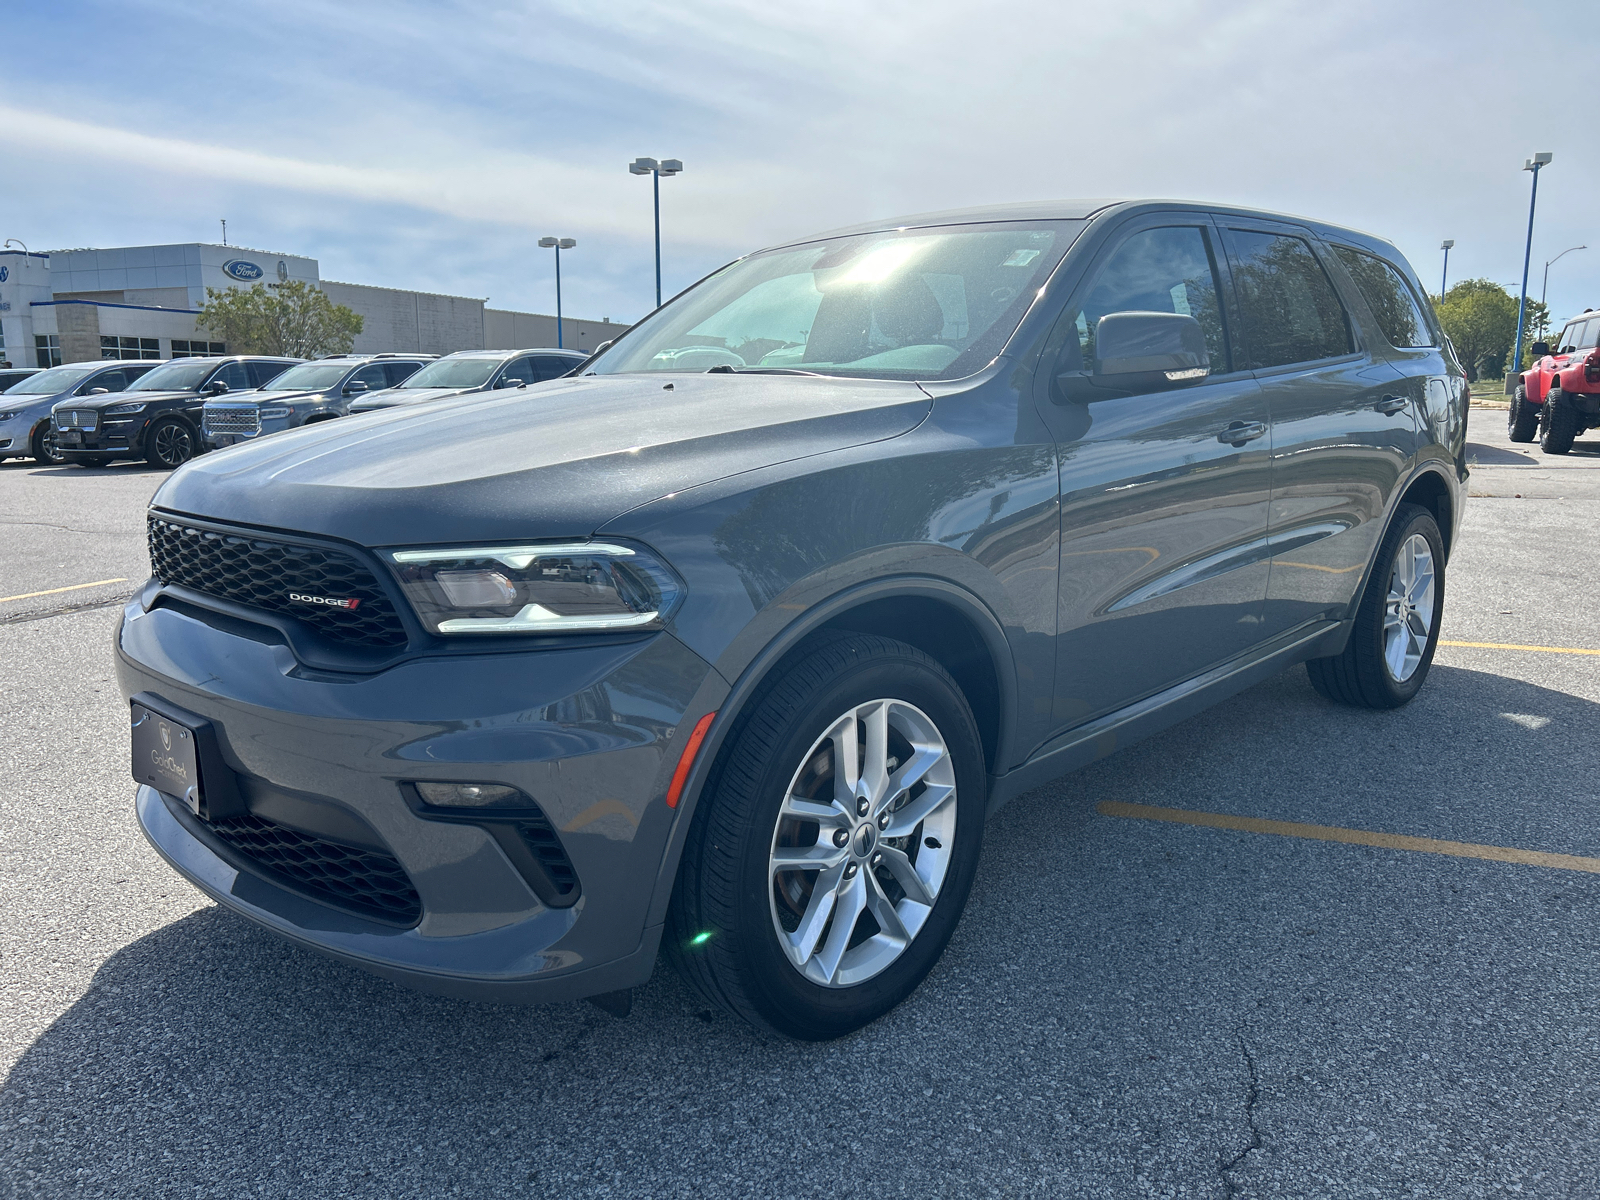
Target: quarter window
1168,270
1291,312
1389,297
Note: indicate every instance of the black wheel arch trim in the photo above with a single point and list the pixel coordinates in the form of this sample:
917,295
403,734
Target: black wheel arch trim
745,687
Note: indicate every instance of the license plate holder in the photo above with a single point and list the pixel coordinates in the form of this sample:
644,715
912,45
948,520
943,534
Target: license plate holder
165,756
69,437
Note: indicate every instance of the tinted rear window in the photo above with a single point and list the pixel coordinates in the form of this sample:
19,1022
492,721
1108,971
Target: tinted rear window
1291,312
1389,297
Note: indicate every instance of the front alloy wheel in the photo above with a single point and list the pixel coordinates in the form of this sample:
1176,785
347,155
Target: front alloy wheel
171,444
46,446
831,855
862,843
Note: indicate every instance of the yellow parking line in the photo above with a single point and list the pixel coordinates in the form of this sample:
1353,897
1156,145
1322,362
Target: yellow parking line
1509,646
77,587
1359,837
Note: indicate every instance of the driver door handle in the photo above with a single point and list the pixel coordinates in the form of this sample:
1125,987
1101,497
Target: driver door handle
1239,432
1390,405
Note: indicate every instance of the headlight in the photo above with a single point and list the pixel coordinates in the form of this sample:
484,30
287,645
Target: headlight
583,587
272,414
6,416
118,410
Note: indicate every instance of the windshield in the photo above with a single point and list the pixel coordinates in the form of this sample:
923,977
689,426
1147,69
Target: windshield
454,373
177,377
313,377
47,383
902,304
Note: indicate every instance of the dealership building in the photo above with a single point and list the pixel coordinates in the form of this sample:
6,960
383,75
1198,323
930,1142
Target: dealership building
141,302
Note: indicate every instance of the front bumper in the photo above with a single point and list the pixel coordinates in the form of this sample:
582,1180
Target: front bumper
591,733
117,436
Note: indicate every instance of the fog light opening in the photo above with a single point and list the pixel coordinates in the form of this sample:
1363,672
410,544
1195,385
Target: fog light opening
471,795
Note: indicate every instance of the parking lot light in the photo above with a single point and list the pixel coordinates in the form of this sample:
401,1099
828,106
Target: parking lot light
1545,286
649,166
558,245
1446,246
1541,159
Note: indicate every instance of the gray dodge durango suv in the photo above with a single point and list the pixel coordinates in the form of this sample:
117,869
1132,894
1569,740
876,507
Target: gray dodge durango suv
729,645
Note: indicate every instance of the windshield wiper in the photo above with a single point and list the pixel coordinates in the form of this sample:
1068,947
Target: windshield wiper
725,369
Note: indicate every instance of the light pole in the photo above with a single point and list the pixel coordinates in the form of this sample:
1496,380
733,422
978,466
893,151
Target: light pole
1545,286
649,166
1447,245
1533,164
558,245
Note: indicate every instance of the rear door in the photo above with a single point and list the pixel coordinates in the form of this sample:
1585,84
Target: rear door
1163,493
1343,430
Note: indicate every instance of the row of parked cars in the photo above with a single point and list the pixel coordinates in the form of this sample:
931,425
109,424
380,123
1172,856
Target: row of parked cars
95,413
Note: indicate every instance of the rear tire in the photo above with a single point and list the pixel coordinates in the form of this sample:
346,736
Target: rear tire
765,942
1397,623
1523,418
1558,423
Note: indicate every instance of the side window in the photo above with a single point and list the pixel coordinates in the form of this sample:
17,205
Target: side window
1156,270
235,376
551,367
1290,311
399,372
373,376
261,373
1583,336
112,381
518,370
1389,297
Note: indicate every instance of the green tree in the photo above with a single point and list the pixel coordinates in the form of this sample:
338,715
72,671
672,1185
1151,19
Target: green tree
293,318
1481,318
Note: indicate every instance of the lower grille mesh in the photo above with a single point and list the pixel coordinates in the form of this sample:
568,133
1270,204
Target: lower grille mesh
367,882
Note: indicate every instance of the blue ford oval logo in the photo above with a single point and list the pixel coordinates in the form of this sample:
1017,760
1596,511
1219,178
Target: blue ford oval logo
240,269
5,274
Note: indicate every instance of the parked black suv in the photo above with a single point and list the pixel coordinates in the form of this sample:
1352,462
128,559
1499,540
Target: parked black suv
158,417
730,644
303,395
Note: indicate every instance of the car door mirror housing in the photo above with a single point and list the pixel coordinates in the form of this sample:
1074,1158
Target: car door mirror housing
98,391
354,387
1140,351
1540,349
216,388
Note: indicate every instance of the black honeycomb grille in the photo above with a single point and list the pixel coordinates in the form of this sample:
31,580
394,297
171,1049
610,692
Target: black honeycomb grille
261,573
366,882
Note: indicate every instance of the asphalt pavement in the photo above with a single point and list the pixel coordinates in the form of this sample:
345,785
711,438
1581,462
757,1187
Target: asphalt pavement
1129,1007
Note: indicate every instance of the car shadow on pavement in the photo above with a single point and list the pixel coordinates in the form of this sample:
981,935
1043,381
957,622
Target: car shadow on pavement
1122,998
1479,455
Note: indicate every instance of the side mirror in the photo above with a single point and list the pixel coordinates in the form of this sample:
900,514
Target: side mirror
511,381
98,391
1144,351
354,386
216,388
601,347
1540,349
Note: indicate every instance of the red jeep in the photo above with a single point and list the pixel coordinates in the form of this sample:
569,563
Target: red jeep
1559,396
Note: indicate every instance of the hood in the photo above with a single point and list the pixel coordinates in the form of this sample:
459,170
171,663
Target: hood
391,397
264,396
127,397
559,460
33,405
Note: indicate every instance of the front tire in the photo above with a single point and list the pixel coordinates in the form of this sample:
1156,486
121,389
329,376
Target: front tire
44,446
1523,417
170,443
1558,423
833,851
1397,624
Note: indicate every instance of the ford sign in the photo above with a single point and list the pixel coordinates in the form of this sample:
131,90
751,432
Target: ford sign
5,273
240,269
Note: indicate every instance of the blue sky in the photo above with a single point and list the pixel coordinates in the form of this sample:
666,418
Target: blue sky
430,145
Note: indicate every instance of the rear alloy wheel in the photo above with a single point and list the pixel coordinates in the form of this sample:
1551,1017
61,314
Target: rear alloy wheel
45,447
1558,423
170,442
828,867
1397,624
1523,417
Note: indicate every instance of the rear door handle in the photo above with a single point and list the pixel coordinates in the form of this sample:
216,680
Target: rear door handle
1390,405
1239,432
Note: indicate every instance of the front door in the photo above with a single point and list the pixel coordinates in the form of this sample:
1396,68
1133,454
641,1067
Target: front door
1343,426
1164,492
